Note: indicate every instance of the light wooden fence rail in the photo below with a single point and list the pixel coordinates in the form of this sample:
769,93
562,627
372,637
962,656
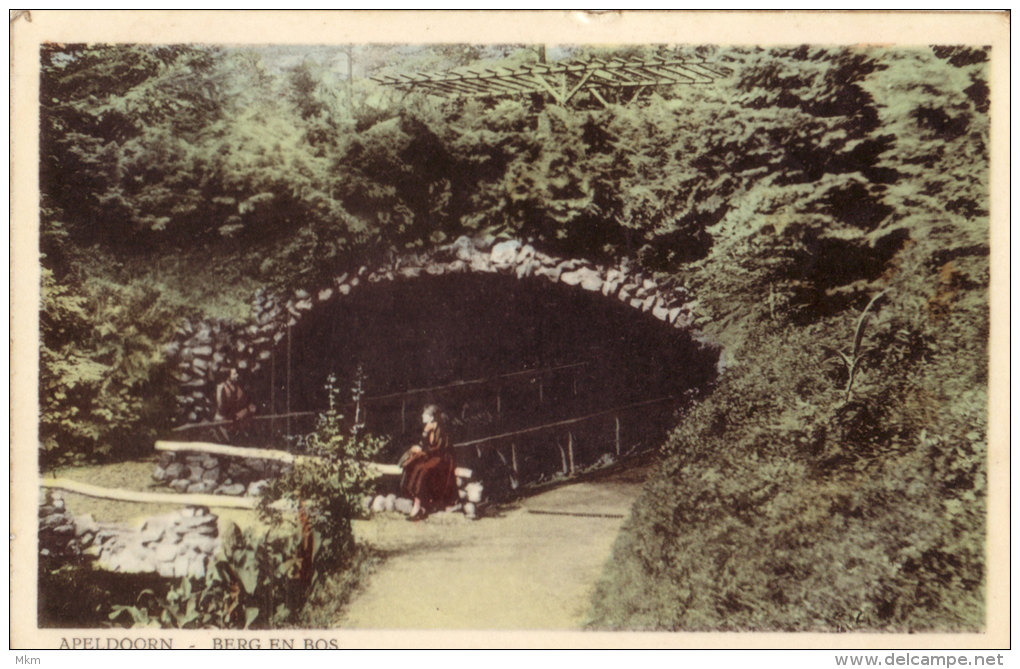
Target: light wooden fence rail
236,502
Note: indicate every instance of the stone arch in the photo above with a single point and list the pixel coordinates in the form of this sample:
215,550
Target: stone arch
204,350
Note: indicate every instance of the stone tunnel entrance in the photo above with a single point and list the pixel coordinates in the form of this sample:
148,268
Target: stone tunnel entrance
498,353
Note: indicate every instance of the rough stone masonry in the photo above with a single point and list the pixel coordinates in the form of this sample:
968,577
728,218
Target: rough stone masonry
204,350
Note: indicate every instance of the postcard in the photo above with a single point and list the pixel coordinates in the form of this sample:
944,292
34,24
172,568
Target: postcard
510,329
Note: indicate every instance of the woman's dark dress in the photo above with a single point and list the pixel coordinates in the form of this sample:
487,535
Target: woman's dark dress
430,476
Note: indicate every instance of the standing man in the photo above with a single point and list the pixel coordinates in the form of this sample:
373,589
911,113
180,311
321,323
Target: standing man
232,404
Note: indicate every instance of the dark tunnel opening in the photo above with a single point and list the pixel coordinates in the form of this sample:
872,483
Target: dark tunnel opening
569,352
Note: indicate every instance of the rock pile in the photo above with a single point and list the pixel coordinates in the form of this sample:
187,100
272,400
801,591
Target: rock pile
204,351
175,544
471,493
172,545
59,533
217,475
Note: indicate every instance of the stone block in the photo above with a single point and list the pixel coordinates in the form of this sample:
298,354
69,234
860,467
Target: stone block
525,269
585,277
205,543
180,566
474,491
609,287
378,504
211,475
232,489
390,501
201,487
463,247
196,566
505,253
550,272
325,294
85,524
526,253
181,485
403,505
166,552
480,263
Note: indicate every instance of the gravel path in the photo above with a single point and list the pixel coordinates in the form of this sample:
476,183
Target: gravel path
530,565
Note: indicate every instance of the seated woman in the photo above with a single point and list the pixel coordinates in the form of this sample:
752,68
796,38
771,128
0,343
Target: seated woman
429,470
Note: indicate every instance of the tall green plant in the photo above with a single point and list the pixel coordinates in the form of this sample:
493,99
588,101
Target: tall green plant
327,488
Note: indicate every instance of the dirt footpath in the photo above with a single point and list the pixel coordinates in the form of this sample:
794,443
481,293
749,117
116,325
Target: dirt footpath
530,565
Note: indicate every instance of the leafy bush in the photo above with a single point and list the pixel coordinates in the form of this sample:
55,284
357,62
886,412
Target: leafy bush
103,384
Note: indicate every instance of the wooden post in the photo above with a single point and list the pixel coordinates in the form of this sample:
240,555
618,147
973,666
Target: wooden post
513,457
563,457
272,390
570,450
288,379
499,403
617,436
403,416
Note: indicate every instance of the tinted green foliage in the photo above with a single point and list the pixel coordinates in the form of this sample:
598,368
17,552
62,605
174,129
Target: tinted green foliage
783,503
102,378
784,196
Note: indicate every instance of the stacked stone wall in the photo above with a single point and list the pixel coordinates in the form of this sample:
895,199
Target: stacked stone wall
204,351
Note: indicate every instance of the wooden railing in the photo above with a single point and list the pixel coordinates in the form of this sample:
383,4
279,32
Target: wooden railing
230,501
406,396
